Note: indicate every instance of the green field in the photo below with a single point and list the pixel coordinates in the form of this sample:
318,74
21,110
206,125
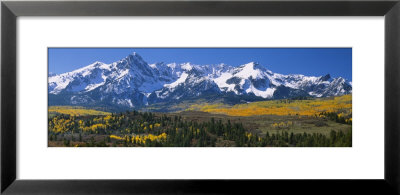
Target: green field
264,123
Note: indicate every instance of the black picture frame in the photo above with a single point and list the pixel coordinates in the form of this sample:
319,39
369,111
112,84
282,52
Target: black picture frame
10,10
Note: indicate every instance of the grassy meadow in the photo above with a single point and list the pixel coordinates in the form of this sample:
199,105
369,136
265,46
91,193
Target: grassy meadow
74,111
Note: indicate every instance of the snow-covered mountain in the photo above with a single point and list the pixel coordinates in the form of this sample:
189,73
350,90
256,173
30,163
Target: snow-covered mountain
133,83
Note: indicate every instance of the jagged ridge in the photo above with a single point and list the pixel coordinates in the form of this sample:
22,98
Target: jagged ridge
133,83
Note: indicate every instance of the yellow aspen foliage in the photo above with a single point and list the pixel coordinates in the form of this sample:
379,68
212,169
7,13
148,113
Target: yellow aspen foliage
349,120
107,118
94,127
75,111
142,139
248,135
117,137
280,107
61,125
282,124
275,125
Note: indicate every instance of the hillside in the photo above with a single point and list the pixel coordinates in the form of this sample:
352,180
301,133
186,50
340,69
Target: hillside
311,107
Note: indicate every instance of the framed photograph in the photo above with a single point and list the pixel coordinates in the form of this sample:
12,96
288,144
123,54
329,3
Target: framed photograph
134,103
204,97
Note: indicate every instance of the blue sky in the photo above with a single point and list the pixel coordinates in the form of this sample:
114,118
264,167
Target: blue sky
307,61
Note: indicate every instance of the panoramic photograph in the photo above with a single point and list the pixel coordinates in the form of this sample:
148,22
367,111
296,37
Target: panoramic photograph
199,97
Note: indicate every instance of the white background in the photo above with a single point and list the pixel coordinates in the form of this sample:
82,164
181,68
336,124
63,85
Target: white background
364,160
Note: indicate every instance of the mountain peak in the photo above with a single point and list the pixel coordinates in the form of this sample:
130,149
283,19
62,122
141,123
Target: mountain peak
134,55
187,66
253,66
326,77
96,63
135,58
249,65
252,69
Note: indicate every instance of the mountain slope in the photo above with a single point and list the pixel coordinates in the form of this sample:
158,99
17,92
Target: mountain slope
133,83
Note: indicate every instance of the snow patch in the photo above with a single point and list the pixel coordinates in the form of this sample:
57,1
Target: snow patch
126,102
221,82
187,66
181,79
268,93
249,71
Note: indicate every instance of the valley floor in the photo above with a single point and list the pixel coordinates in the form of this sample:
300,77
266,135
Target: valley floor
324,122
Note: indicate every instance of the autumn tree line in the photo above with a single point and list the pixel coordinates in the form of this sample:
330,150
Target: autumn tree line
133,128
